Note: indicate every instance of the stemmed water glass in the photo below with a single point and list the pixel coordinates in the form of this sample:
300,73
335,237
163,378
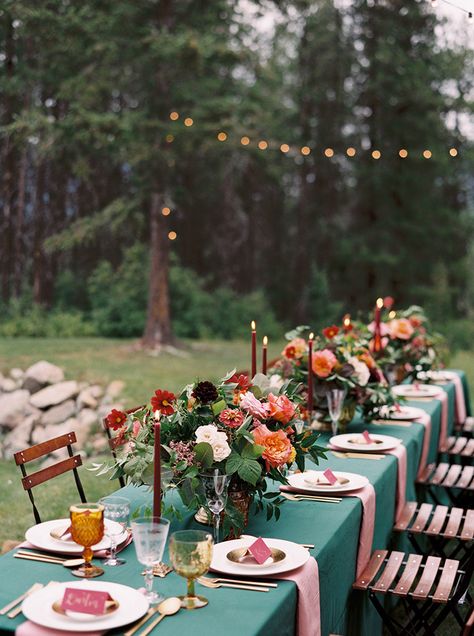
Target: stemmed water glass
149,539
335,399
214,489
191,555
115,509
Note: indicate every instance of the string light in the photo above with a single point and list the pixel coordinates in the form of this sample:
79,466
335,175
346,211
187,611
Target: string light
188,122
263,145
403,153
244,140
427,154
172,235
222,136
169,138
305,150
165,211
284,147
174,115
376,154
453,152
329,152
351,152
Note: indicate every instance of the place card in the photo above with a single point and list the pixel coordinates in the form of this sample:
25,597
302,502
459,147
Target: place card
85,601
330,476
398,408
367,438
260,551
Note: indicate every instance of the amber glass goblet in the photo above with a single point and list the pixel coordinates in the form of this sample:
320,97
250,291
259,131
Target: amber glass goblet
191,555
87,529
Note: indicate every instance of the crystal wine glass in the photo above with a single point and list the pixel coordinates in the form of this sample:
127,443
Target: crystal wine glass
87,529
214,488
115,509
191,555
335,398
149,538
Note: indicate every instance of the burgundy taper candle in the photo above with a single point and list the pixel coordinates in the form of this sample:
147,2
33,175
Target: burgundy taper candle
310,378
254,347
157,473
264,354
377,331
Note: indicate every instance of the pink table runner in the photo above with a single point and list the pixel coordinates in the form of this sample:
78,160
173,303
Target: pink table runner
366,534
442,396
425,419
32,629
308,614
460,402
400,453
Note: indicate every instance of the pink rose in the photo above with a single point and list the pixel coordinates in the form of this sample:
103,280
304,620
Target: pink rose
401,328
281,408
249,402
323,363
384,329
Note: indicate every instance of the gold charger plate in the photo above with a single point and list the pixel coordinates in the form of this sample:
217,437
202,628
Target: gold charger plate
241,557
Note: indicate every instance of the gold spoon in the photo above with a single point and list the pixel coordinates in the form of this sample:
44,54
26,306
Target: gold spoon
168,607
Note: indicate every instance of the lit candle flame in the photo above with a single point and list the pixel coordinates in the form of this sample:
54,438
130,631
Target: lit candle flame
347,322
265,341
392,315
311,336
253,325
379,303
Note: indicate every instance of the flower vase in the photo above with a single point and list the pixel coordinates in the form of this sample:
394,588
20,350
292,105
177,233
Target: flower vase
347,415
241,499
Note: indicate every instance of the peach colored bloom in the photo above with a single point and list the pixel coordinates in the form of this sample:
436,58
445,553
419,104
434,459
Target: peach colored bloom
401,328
295,349
281,408
323,363
278,449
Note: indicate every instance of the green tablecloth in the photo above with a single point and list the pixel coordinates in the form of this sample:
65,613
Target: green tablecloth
333,528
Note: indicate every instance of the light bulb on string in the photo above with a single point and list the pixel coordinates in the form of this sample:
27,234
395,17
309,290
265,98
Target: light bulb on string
244,140
262,144
329,152
222,136
305,150
403,154
427,154
174,115
376,154
453,152
284,147
188,121
172,235
351,152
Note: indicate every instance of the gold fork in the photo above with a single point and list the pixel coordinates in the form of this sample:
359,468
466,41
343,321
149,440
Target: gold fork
238,581
252,588
298,497
357,455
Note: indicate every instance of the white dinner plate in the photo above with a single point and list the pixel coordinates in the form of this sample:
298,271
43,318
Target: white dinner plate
302,482
415,391
403,413
40,537
38,607
437,376
353,442
296,556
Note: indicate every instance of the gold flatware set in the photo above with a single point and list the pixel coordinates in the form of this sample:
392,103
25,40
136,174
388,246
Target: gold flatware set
304,497
344,455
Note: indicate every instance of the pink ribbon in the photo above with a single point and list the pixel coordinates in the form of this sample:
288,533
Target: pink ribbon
308,614
400,453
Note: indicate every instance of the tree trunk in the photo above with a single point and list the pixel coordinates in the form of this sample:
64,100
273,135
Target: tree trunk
158,324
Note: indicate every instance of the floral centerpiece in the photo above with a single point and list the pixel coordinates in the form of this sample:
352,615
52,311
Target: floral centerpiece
341,359
249,430
408,345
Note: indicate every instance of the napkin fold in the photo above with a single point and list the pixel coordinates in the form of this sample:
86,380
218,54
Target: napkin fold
400,453
308,613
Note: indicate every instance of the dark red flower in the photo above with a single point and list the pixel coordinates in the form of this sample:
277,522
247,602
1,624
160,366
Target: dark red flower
330,332
388,302
116,419
242,381
162,401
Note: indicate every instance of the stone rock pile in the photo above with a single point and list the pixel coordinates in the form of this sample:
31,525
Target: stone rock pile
38,404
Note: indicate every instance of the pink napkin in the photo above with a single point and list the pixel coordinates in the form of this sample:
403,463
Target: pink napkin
31,629
460,402
366,534
424,419
308,615
400,453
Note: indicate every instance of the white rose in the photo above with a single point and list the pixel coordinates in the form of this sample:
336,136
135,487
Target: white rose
362,371
208,433
221,450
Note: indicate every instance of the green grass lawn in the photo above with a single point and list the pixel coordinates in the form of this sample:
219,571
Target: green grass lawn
102,360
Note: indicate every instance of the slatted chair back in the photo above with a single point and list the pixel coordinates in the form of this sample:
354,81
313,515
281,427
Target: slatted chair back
449,531
461,448
456,480
114,442
29,481
431,588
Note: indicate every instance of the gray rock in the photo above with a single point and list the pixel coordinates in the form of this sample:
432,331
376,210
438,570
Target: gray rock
87,418
86,399
96,391
43,434
16,373
12,407
59,413
54,394
41,374
19,438
9,385
114,389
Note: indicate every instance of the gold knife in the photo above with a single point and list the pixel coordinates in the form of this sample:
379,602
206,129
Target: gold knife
141,622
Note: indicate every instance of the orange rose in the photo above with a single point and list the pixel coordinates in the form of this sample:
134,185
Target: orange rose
401,328
323,363
281,409
278,449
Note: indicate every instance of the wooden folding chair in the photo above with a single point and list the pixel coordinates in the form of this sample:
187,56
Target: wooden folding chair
412,580
45,474
461,448
114,442
467,427
448,531
454,479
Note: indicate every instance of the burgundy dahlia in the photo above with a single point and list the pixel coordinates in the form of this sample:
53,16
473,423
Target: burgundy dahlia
205,392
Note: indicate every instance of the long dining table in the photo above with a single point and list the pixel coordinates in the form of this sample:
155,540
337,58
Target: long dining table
333,528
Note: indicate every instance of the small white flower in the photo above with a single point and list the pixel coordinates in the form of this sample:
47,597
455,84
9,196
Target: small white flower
208,433
220,449
361,370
